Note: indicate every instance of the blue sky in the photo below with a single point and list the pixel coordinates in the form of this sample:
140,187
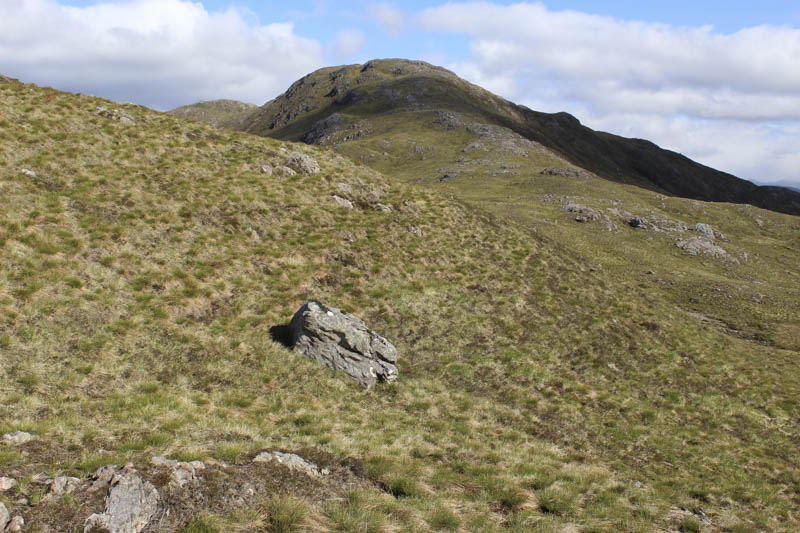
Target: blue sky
717,81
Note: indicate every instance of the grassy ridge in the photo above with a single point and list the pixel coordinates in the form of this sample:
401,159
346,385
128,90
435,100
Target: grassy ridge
143,265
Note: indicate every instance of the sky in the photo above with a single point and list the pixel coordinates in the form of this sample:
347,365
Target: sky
718,81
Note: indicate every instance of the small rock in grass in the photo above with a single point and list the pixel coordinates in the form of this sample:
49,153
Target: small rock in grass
7,483
16,524
344,202
292,461
4,517
17,438
303,163
64,485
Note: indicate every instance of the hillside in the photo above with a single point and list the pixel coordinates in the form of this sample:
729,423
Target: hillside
218,113
338,103
144,260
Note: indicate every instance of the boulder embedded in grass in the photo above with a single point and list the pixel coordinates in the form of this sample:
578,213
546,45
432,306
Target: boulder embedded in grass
343,342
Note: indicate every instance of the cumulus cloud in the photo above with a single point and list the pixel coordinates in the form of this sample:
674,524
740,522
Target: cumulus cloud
388,17
347,43
160,53
729,100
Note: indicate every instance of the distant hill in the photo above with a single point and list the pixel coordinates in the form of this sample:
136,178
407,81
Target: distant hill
325,105
218,113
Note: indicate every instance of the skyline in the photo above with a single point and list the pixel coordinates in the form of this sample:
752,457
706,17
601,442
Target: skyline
718,82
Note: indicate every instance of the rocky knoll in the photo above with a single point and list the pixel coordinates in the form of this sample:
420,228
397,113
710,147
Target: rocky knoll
316,108
343,342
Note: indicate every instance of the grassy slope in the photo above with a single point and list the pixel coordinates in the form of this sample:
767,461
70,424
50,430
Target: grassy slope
218,113
141,270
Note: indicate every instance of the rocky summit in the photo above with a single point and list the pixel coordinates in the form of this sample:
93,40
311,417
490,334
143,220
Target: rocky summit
337,105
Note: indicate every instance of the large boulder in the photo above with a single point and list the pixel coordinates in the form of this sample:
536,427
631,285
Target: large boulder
343,342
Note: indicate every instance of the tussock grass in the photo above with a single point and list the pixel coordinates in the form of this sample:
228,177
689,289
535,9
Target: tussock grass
142,270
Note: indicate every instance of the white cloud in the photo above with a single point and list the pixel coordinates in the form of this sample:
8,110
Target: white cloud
347,43
389,18
161,53
729,100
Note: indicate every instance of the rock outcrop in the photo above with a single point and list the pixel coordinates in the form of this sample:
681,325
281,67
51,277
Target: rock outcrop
703,246
291,461
343,342
130,505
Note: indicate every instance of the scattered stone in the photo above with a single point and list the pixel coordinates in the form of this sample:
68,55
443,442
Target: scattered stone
344,202
130,504
285,172
16,524
302,163
345,188
17,438
116,114
636,222
447,120
343,342
759,222
416,231
582,213
473,146
705,229
103,477
28,172
452,174
266,169
758,298
4,516
563,172
64,485
383,207
292,462
183,473
703,246
7,483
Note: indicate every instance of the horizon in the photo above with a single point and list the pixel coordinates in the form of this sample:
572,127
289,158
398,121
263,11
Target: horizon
717,83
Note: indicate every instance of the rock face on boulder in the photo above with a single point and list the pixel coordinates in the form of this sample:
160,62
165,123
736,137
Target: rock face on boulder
130,505
343,342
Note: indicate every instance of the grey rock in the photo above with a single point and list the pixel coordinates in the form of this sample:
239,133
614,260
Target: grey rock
343,342
344,202
302,163
266,169
28,172
416,231
64,485
130,505
705,229
17,438
16,524
636,222
103,477
292,461
383,207
704,246
563,172
4,516
183,473
582,213
7,483
285,171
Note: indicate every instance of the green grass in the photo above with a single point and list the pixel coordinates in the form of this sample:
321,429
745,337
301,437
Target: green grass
534,390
